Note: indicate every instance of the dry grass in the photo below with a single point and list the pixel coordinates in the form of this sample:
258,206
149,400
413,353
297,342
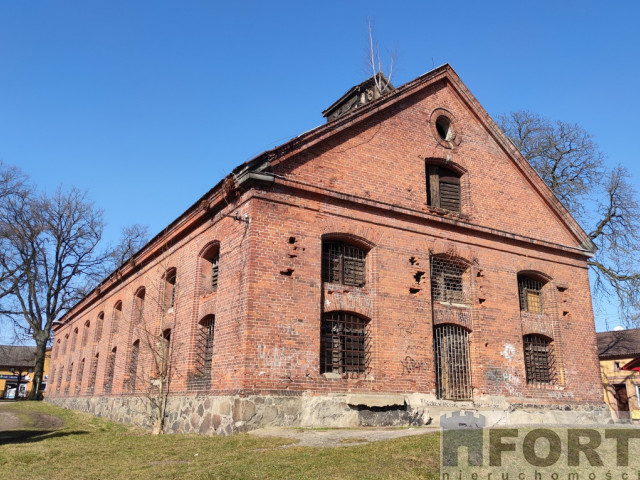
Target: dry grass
86,447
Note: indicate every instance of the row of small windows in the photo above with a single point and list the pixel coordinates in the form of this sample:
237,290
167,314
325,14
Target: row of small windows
204,361
209,272
345,337
344,263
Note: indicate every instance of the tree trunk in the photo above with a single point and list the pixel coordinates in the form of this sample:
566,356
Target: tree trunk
38,372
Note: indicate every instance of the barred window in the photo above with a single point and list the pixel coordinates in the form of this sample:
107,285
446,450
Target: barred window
85,333
74,339
538,359
92,374
60,377
133,364
443,188
205,345
79,375
170,288
109,371
449,280
138,306
343,263
344,344
68,382
530,292
116,316
99,327
209,270
453,370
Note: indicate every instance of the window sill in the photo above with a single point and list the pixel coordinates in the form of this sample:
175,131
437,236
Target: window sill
346,376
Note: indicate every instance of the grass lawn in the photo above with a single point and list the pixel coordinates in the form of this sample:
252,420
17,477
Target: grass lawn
86,447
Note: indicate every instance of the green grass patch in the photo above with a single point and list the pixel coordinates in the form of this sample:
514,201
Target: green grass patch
86,447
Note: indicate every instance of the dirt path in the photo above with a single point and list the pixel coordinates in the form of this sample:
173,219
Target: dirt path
341,437
11,421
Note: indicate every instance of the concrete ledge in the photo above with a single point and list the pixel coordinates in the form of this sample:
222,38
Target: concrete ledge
376,400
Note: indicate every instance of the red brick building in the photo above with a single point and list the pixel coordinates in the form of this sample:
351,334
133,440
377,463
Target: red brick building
399,261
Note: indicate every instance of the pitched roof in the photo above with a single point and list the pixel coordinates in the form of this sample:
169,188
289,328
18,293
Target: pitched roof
257,170
619,344
16,356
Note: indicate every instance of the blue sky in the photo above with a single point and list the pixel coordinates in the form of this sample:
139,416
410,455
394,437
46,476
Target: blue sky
147,104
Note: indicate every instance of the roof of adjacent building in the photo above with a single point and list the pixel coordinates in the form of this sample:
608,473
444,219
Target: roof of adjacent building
17,356
619,343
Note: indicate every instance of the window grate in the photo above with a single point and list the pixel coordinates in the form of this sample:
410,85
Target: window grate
449,281
60,377
99,327
343,263
206,334
110,370
538,359
92,373
215,272
453,371
85,334
79,375
133,365
344,344
530,292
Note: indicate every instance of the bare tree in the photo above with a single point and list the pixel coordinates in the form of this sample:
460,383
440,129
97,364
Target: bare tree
603,200
132,239
51,258
152,328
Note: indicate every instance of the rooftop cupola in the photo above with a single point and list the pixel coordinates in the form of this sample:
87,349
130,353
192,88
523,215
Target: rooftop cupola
369,90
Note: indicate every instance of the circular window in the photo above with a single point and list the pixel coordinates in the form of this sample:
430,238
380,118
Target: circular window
445,128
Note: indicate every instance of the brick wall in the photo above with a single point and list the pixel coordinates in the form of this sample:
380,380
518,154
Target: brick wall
366,184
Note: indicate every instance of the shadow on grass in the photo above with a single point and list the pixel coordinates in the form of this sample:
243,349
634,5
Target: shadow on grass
31,436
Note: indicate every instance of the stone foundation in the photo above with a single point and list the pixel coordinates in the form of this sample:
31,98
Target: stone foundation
224,415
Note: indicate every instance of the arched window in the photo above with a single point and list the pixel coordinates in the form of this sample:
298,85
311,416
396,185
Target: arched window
74,339
138,306
443,188
343,263
85,333
109,371
93,373
344,343
209,267
99,327
116,316
450,280
165,357
205,345
530,293
65,344
133,364
453,370
79,375
68,382
60,377
538,359
170,288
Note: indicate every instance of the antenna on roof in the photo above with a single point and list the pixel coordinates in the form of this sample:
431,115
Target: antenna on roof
381,80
